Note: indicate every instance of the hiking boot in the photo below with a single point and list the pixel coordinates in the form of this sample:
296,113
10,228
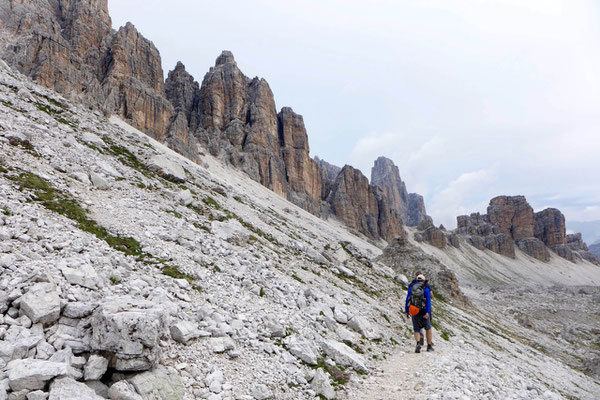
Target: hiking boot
418,348
430,347
421,341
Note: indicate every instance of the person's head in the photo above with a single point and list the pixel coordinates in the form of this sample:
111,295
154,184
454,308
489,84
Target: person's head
420,278
418,273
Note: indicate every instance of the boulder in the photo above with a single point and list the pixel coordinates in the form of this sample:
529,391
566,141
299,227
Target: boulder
41,303
301,348
84,276
67,388
321,385
161,383
184,331
344,355
129,330
166,168
123,390
98,181
364,327
95,367
33,374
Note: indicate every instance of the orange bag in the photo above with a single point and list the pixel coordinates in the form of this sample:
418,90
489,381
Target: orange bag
413,310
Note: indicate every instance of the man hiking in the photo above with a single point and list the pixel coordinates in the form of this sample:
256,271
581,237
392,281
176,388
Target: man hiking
418,306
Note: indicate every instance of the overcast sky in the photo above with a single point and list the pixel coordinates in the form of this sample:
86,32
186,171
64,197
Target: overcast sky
471,99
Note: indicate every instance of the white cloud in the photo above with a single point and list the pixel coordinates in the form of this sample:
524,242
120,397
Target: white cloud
456,199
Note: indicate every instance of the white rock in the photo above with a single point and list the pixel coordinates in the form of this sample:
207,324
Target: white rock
92,139
37,395
69,389
321,385
184,197
84,276
159,383
95,367
123,390
301,348
364,327
344,355
33,374
184,331
221,344
41,303
131,330
166,168
99,182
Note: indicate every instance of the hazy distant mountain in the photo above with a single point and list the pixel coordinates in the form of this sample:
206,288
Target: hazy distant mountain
590,230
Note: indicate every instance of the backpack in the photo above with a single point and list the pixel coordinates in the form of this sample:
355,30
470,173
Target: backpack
417,301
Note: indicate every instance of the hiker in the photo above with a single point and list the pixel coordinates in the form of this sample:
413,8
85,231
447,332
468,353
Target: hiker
418,306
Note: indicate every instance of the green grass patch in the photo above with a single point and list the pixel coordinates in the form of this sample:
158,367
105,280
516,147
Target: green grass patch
209,201
174,272
175,213
238,199
23,144
296,277
6,211
61,203
261,292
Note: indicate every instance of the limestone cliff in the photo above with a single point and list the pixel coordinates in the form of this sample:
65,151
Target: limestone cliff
71,47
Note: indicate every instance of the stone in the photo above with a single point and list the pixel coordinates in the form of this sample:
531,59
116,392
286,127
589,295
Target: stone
364,327
129,330
184,331
501,244
123,390
100,388
321,385
84,275
33,374
95,367
344,355
41,303
301,348
99,182
166,168
160,383
184,197
37,395
261,392
69,389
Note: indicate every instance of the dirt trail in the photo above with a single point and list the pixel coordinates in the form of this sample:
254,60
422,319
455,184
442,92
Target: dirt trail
406,374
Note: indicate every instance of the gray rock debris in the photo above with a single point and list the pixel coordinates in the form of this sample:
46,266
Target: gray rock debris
123,390
41,303
301,348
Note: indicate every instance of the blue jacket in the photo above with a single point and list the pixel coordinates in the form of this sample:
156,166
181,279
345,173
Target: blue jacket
427,292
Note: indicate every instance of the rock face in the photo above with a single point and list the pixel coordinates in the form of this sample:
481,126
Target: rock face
353,201
510,221
512,215
550,227
410,207
70,46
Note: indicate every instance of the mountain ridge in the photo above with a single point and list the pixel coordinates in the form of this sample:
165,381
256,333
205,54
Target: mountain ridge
229,114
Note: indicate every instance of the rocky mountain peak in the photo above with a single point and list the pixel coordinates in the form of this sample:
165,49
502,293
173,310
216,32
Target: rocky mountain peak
411,207
226,57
